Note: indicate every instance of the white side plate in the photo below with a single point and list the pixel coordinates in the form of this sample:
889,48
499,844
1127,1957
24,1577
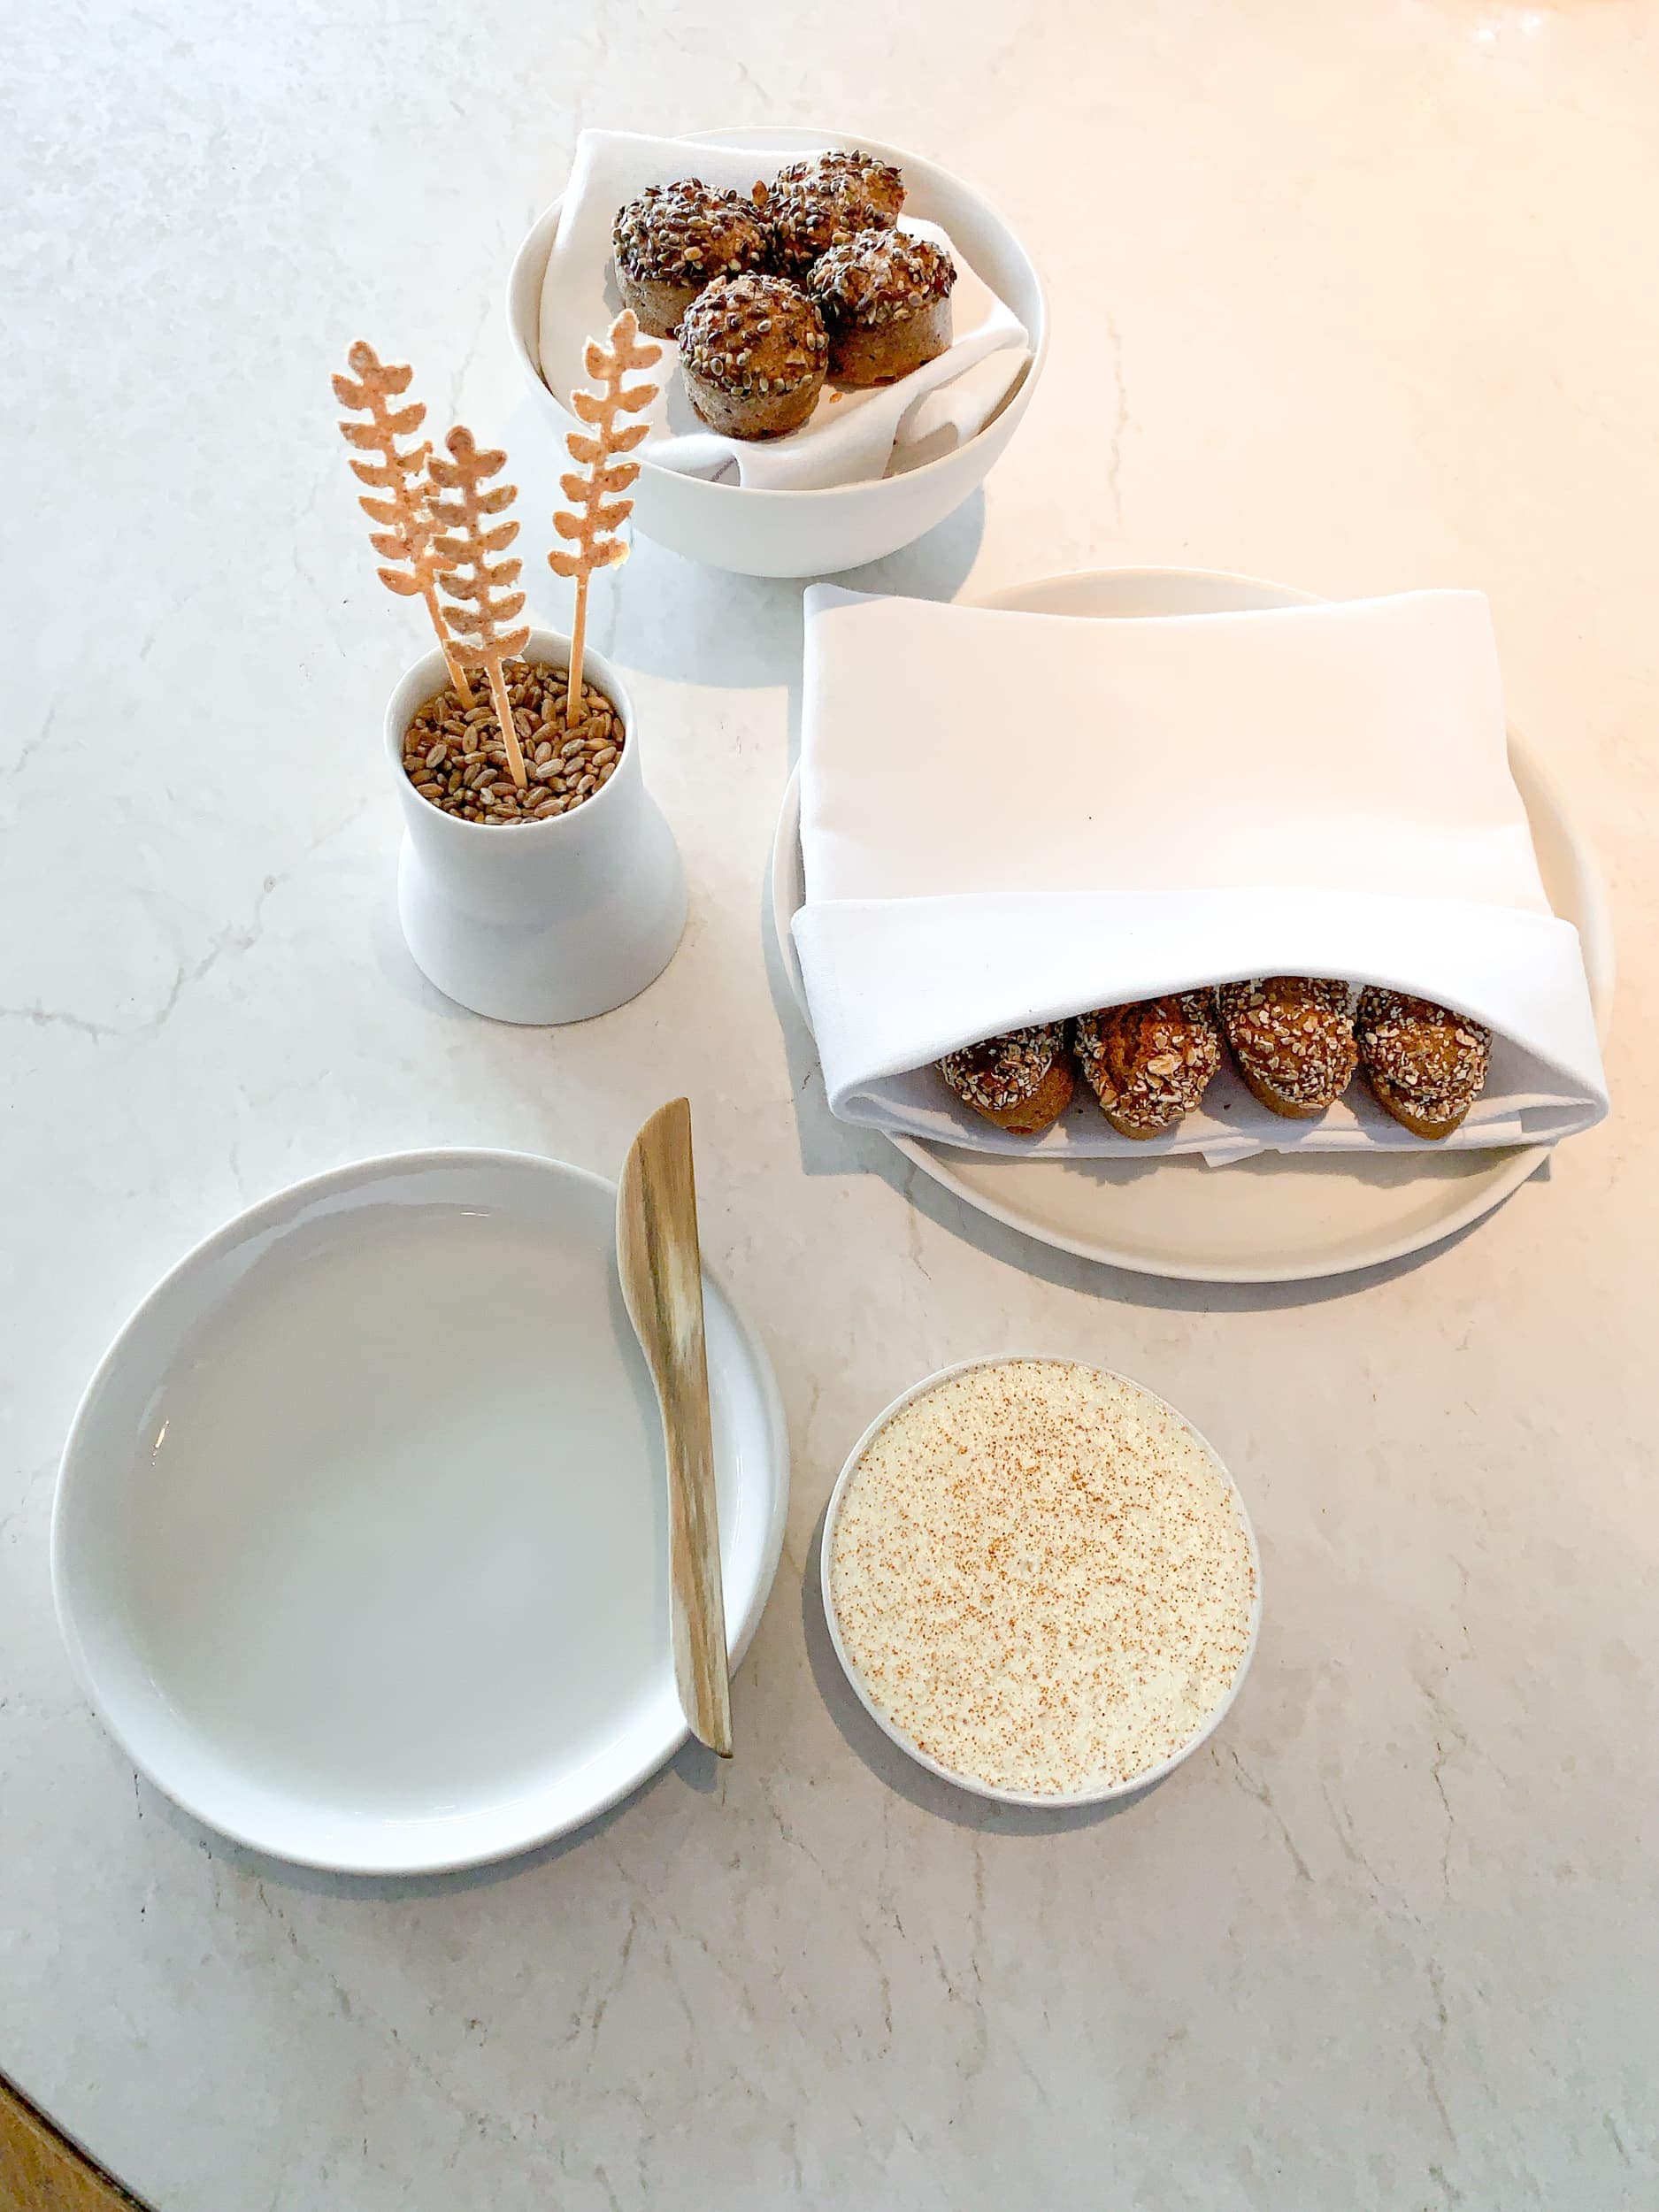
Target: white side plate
360,1539
1273,1218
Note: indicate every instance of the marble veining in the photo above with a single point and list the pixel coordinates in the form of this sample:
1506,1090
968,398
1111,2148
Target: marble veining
1356,298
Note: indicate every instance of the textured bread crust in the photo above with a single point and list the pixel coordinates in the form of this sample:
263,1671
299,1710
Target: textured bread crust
863,354
753,350
856,177
658,303
1149,1063
754,415
1021,1081
886,302
805,220
1425,1065
674,239
1293,1037
1431,1122
1043,1107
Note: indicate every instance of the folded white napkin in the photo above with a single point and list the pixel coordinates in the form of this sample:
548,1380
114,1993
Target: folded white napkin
852,436
1008,818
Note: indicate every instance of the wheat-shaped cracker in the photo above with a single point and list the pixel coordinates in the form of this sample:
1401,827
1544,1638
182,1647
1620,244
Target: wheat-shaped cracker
599,513
407,528
469,573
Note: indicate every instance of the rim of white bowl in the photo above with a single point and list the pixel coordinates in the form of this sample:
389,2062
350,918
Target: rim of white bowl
846,140
1054,1801
223,1238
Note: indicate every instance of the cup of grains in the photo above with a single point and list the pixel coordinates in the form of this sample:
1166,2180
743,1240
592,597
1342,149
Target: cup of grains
1040,1581
545,902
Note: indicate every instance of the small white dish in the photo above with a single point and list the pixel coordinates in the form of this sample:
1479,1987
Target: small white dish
1274,1218
538,921
815,532
359,1545
1048,1800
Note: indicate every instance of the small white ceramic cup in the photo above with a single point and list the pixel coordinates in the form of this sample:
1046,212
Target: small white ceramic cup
538,921
1056,1802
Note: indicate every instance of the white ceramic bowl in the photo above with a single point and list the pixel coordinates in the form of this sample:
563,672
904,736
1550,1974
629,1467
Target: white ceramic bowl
815,532
538,921
1043,1802
360,1540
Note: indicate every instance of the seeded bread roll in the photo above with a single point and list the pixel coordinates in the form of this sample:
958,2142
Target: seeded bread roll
677,238
886,302
1021,1080
1151,1063
753,351
858,180
1293,1037
1426,1066
816,205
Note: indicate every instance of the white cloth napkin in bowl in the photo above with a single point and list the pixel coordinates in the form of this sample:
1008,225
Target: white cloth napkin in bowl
853,436
1008,818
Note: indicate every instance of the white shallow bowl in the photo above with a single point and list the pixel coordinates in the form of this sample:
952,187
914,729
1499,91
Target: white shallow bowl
815,532
359,1545
1274,1218
1044,1800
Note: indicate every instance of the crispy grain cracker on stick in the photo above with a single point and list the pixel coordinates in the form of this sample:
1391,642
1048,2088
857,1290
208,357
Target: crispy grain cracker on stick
403,512
598,512
470,574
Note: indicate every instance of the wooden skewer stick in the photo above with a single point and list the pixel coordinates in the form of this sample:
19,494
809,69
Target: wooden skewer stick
598,512
470,574
404,515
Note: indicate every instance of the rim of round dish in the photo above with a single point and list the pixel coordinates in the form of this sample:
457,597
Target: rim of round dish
223,1239
1037,1801
796,136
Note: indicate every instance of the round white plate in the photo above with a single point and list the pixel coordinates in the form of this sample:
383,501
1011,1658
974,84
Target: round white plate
1052,1801
360,1539
1270,1219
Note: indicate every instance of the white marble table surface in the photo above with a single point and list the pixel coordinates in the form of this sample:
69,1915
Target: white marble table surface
1357,296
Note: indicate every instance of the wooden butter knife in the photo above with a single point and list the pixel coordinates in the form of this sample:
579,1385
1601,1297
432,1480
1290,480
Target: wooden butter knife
661,1267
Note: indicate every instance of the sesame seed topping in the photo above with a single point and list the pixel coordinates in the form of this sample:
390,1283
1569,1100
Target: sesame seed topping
884,276
675,233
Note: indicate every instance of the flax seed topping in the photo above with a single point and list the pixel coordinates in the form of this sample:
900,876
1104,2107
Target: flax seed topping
882,277
754,333
1005,1071
858,180
806,219
689,233
1042,1576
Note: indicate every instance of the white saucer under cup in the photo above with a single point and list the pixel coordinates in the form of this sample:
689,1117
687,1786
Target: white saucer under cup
360,1539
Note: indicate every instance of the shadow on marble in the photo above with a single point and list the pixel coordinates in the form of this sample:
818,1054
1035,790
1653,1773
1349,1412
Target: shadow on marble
903,1775
680,620
936,566
693,1767
394,963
